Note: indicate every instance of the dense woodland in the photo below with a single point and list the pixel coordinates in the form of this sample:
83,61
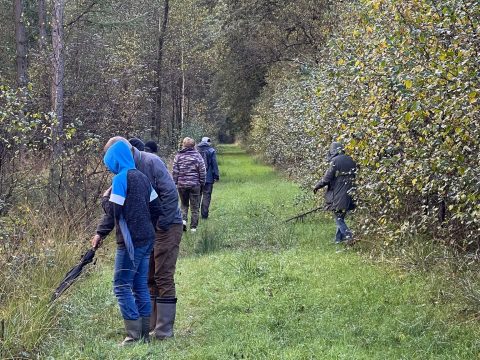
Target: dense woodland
397,81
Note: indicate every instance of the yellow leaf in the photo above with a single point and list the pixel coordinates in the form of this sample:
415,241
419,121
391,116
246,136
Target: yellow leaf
408,84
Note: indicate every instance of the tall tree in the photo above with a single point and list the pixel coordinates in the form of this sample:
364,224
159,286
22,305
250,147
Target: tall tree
42,27
157,105
58,64
20,43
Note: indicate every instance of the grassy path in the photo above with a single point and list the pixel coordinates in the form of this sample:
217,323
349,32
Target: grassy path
251,287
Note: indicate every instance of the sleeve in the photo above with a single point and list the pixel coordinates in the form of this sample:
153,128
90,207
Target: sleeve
167,196
202,171
216,173
328,177
175,170
112,213
155,210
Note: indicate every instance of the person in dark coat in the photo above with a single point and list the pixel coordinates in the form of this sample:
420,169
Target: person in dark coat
340,181
210,158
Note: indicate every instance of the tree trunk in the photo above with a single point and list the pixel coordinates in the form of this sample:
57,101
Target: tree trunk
156,123
42,27
20,43
58,75
182,98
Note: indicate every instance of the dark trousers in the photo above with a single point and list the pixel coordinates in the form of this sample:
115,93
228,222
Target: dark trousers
190,197
163,261
207,190
343,232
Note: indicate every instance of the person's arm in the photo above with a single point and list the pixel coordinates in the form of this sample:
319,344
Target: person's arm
107,224
175,170
327,178
202,172
216,173
155,206
167,194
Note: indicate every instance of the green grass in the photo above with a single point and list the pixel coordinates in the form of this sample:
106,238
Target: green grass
252,287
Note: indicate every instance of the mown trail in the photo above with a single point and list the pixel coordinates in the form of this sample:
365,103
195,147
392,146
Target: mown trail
252,287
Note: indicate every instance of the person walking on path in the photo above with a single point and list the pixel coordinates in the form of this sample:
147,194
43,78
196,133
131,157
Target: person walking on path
210,159
189,175
339,180
130,205
168,236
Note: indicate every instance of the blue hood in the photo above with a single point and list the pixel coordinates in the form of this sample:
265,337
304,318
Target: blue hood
119,160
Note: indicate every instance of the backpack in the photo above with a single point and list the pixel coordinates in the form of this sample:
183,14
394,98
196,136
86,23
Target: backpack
205,157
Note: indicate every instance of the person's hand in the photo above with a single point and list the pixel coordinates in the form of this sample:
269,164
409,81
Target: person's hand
96,241
107,192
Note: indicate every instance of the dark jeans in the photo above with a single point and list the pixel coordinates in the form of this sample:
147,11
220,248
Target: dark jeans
130,283
207,190
163,261
190,197
343,232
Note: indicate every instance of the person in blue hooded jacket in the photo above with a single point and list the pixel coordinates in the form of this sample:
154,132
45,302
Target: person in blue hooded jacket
210,159
130,205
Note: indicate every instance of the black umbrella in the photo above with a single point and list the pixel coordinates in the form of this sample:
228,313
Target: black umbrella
73,274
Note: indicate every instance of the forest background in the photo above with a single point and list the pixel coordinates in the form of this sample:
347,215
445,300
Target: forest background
397,81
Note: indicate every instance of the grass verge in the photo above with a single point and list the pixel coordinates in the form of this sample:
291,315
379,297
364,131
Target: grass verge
252,287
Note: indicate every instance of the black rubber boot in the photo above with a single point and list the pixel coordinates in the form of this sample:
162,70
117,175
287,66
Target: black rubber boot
134,331
166,310
145,335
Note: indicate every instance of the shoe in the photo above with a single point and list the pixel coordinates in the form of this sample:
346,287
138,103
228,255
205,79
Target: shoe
193,230
133,329
184,225
166,310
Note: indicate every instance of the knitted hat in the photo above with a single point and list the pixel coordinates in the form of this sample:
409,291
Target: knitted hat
137,143
151,146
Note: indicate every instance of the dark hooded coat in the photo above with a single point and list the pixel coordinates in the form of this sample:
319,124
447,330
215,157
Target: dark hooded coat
339,180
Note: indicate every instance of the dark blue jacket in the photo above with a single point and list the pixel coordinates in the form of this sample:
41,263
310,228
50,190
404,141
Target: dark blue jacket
156,171
139,210
210,158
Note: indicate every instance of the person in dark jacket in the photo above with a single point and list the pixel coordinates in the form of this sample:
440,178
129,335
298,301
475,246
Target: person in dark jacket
137,143
189,175
210,159
151,147
168,235
130,205
339,180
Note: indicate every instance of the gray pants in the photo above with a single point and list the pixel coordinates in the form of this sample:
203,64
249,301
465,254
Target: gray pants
206,197
190,197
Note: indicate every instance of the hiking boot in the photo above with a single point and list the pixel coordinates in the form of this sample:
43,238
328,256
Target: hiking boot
166,310
134,331
184,225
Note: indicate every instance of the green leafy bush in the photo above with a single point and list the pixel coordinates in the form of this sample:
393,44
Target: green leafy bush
399,84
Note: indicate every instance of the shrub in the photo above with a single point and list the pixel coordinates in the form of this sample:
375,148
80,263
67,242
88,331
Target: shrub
399,84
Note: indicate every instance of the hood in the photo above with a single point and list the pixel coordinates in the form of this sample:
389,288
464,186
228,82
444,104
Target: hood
119,158
335,149
187,149
203,145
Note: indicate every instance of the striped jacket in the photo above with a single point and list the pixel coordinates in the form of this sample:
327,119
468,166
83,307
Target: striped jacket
188,169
